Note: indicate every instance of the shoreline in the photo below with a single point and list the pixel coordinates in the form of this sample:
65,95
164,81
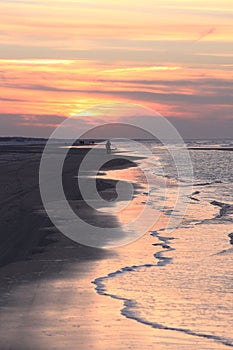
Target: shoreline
49,301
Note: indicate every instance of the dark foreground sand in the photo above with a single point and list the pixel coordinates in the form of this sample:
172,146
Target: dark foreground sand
22,226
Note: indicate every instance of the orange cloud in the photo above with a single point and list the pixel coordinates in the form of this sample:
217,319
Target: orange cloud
61,57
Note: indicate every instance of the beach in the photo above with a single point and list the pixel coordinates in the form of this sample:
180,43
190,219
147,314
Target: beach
33,255
22,225
35,261
58,294
116,175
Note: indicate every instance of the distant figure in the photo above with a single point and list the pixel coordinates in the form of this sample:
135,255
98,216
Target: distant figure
108,146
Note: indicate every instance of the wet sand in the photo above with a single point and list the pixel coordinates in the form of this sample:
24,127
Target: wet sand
59,308
47,296
42,271
50,302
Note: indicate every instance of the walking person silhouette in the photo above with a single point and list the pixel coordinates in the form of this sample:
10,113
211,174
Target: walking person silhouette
108,146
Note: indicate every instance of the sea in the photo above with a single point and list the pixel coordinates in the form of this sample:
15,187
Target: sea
182,281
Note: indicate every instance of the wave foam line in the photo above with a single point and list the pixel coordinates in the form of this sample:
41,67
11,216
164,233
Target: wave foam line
165,244
129,304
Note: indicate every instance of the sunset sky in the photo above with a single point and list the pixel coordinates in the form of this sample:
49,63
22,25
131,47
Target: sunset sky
59,57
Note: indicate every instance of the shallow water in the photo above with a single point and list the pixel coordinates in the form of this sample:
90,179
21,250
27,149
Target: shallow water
186,284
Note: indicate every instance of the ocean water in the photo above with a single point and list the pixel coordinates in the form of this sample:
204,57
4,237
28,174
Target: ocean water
186,284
